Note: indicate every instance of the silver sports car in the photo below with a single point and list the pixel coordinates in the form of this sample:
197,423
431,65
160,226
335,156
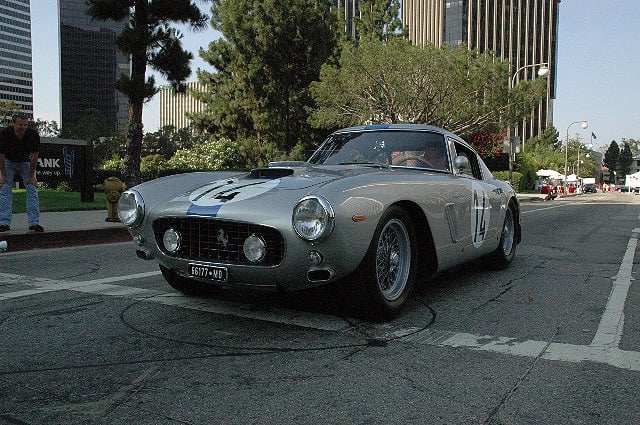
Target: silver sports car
375,208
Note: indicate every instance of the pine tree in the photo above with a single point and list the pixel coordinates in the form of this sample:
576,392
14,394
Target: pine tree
611,160
625,160
149,40
271,50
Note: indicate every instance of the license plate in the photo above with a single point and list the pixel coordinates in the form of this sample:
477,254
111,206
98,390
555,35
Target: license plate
218,274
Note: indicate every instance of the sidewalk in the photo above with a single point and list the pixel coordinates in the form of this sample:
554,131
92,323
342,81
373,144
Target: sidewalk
61,229
530,197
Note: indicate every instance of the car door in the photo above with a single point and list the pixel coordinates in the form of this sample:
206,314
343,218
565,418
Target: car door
473,216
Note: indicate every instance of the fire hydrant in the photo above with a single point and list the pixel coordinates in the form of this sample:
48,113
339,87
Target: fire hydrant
113,188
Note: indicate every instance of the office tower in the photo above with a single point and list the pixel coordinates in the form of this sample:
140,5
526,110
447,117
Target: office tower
90,64
521,31
347,10
16,77
174,106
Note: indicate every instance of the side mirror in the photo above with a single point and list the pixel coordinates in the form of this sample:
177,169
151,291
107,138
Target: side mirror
461,162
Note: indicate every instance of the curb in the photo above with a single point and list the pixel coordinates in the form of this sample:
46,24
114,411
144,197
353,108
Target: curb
64,238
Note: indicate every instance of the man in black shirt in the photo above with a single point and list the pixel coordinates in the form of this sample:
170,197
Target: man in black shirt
19,146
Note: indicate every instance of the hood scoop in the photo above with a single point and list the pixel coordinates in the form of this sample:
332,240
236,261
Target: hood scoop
270,173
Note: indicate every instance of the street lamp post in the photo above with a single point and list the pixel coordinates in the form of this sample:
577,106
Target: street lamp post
566,151
576,166
586,156
542,73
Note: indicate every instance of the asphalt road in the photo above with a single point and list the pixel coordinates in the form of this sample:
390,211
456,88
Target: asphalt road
93,335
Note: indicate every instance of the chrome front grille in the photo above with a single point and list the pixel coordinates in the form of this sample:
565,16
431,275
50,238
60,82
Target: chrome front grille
220,241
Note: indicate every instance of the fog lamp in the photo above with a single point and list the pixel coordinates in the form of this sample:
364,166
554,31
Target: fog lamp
254,248
138,239
171,240
315,258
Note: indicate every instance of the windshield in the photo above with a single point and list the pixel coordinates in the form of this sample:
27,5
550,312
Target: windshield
421,149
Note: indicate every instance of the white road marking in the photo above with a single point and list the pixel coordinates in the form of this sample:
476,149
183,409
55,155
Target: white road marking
610,329
547,208
530,348
603,348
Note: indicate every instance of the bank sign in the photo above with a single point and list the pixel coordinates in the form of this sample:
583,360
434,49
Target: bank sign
63,160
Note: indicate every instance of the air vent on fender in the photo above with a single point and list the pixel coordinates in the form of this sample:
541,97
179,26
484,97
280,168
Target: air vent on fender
270,173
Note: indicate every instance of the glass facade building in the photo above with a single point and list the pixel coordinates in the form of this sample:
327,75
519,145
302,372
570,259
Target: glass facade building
16,75
347,9
90,64
524,32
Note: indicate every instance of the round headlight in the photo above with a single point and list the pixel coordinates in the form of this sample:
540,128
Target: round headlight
254,248
131,208
171,240
313,218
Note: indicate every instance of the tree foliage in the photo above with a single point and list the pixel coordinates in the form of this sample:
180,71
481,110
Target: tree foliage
625,160
168,140
47,128
634,145
91,125
149,40
462,90
611,158
7,108
378,20
270,52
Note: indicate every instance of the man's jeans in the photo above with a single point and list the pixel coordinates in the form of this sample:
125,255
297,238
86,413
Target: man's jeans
6,194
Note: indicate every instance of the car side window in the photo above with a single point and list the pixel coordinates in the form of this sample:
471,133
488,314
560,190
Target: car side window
473,169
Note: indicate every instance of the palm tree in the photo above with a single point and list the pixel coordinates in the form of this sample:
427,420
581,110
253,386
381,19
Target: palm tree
149,40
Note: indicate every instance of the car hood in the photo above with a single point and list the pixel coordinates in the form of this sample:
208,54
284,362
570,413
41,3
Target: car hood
276,185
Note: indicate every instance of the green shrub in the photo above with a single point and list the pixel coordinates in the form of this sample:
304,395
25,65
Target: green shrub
151,165
504,175
115,164
64,187
527,168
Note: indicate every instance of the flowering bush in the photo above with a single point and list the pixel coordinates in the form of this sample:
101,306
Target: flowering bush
489,145
210,155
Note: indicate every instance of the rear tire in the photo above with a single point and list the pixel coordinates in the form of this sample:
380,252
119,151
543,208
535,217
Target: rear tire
387,274
185,285
506,250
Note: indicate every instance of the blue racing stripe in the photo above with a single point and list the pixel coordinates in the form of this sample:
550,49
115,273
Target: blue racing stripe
209,211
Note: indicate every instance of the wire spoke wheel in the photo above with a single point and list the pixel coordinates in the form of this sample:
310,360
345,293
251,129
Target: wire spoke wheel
508,233
504,253
393,259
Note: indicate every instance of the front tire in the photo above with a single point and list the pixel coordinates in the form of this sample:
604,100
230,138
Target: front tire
185,285
387,274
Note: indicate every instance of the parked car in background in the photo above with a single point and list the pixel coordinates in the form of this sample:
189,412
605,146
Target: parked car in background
590,188
376,208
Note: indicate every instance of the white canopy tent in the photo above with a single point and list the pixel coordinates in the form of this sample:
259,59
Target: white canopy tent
633,180
550,174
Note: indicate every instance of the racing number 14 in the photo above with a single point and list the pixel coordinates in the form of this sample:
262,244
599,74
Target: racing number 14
480,223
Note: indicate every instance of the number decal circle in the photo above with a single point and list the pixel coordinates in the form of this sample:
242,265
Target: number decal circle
480,212
230,190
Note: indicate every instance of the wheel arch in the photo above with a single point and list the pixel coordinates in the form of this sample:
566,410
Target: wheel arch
514,204
427,258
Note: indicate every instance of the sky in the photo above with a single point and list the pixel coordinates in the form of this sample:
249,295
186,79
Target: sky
598,68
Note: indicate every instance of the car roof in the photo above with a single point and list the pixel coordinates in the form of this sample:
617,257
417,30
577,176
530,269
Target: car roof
400,127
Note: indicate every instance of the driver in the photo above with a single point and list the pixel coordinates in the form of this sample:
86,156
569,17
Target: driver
434,156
